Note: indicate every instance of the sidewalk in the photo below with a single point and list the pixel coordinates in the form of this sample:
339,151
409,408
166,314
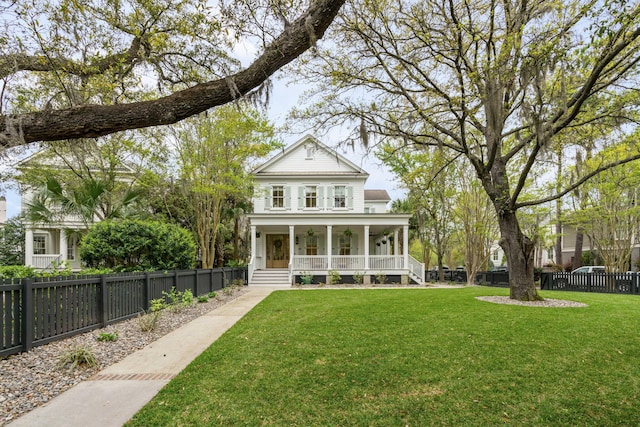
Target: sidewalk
115,394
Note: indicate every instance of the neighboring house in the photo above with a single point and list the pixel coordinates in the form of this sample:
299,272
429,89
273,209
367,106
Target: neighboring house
568,239
50,244
313,217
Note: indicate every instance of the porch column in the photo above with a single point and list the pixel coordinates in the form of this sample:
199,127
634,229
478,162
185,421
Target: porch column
253,245
329,231
395,247
28,247
63,244
292,242
366,247
405,245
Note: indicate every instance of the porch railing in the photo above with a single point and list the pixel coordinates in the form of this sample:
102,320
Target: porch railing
386,262
417,268
44,262
348,262
310,262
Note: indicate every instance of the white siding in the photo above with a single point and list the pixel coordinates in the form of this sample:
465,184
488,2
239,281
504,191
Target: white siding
297,162
294,187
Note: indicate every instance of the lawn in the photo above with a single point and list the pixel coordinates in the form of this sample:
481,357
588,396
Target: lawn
413,357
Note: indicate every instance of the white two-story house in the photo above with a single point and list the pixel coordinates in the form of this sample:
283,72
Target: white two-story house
313,218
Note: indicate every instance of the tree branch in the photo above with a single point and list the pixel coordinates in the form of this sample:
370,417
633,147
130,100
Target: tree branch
98,120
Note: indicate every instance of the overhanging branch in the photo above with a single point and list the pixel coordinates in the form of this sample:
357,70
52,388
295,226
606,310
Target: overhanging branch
98,120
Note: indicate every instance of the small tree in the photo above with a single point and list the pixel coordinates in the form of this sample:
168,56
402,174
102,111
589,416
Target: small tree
12,242
214,157
138,245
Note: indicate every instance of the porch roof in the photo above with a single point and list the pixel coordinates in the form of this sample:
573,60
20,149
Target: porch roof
346,219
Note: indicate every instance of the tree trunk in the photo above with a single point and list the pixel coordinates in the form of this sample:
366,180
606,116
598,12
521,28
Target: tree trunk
577,254
236,237
519,250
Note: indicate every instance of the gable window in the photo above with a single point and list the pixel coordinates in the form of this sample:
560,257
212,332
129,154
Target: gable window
277,196
340,197
495,255
312,245
345,245
39,245
310,196
311,149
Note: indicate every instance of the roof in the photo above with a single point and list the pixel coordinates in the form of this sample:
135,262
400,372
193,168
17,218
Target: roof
355,169
376,196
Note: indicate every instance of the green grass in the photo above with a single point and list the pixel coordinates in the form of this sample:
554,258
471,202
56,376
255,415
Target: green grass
417,357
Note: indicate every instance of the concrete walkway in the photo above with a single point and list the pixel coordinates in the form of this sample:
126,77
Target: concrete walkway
115,394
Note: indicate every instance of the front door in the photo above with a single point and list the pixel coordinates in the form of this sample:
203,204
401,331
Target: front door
277,250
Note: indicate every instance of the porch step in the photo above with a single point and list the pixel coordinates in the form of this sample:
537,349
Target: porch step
270,277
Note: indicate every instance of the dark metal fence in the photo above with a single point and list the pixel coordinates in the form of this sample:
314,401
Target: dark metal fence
38,311
613,283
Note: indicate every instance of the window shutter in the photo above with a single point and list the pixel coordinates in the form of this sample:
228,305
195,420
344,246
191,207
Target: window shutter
267,198
300,198
350,197
330,201
320,197
287,197
354,244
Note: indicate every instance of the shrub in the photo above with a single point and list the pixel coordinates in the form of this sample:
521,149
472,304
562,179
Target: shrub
212,294
158,304
203,298
16,272
334,277
358,278
148,321
107,336
77,356
128,245
187,297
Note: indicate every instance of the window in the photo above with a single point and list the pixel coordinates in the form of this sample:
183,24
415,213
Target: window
310,196
311,149
39,245
71,249
345,245
340,197
312,245
495,255
277,196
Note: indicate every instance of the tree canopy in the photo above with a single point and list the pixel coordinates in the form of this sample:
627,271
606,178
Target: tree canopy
73,69
494,82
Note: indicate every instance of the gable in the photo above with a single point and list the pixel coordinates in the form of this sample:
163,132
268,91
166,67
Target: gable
309,156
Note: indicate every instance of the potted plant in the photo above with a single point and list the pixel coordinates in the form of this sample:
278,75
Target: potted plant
310,232
348,233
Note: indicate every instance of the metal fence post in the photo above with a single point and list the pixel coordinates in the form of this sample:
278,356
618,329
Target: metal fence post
195,283
146,291
27,314
103,312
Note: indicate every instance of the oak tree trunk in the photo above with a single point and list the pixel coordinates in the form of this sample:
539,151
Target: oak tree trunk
519,250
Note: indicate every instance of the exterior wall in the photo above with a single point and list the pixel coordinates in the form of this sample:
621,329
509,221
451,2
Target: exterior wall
375,207
296,161
294,195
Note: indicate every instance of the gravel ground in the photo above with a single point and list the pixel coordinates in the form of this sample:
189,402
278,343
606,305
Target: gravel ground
31,379
547,302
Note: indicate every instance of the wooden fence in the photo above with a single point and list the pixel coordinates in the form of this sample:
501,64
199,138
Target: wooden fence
37,311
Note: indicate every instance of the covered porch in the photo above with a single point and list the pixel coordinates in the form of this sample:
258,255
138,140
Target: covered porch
324,246
47,249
